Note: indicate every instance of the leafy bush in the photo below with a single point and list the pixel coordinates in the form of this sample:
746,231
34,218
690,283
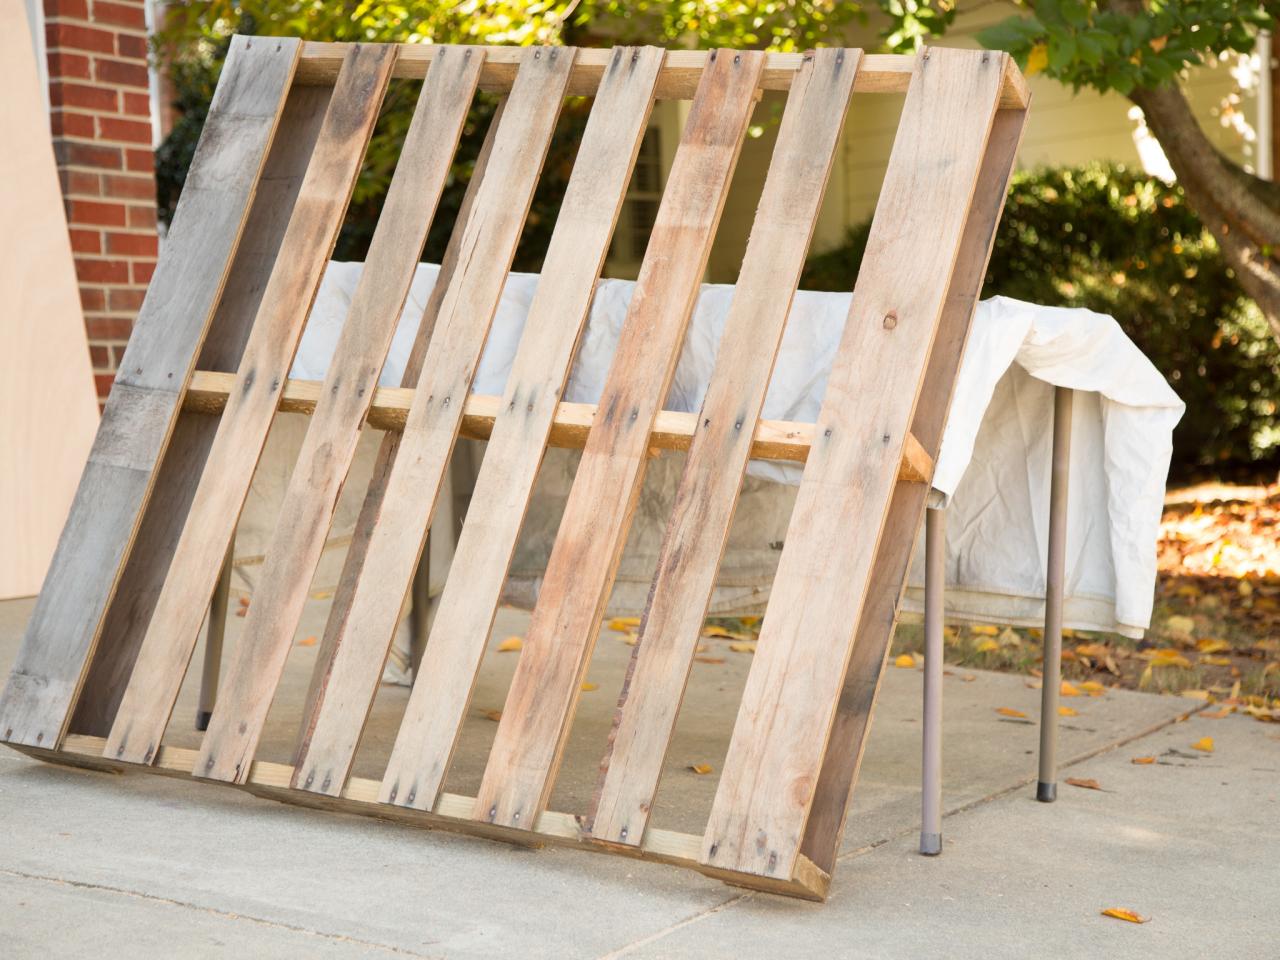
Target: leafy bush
1126,244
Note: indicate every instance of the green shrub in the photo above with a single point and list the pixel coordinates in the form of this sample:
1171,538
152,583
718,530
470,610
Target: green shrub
1126,244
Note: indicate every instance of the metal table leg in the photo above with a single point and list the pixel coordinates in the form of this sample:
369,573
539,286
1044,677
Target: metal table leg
213,642
1047,785
420,608
935,524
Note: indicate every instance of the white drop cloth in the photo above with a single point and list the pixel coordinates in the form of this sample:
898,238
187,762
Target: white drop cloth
993,468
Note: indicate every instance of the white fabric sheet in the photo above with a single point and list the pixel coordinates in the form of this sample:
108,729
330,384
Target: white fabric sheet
993,469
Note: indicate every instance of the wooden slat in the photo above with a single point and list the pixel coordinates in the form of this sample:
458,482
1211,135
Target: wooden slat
672,429
362,533
889,577
444,684
330,442
171,635
708,493
766,790
139,416
487,249
175,486
543,694
452,813
879,73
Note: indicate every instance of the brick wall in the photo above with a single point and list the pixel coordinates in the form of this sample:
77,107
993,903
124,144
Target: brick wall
101,123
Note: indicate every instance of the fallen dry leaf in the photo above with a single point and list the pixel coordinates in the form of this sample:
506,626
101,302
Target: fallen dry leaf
701,768
715,630
1211,645
709,659
630,639
494,715
1069,690
1215,661
1068,712
1195,694
1087,784
624,624
1180,626
1143,760
904,660
1010,712
307,642
1219,714
587,686
1093,688
1092,650
968,678
1121,914
743,647
985,629
1204,743
511,644
986,646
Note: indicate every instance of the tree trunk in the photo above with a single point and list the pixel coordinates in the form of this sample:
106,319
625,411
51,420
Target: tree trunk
1242,211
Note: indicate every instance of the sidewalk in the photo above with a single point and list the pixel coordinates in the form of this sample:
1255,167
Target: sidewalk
95,865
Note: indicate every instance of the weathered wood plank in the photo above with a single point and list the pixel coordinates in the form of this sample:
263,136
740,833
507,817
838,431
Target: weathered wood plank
544,691
695,537
175,486
672,429
880,72
37,702
330,442
487,249
452,814
313,228
357,550
889,577
557,315
766,790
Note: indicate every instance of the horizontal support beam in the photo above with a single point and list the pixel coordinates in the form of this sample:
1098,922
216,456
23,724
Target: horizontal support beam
774,439
877,72
453,813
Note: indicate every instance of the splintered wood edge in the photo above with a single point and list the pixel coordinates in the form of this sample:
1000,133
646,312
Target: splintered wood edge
877,72
453,813
672,430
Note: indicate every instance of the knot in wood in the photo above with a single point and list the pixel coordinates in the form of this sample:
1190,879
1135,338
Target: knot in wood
890,320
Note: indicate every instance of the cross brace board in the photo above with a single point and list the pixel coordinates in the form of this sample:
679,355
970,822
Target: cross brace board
112,636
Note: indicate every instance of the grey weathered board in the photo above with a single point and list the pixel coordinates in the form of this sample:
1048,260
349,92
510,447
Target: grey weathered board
268,190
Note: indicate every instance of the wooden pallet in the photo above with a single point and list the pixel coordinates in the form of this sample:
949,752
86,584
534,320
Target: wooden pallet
113,632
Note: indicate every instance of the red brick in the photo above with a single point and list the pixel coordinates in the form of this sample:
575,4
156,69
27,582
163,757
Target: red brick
66,9
125,299
100,356
131,46
140,161
86,241
104,214
77,37
73,65
142,217
132,244
129,188
108,328
117,353
93,298
103,382
83,95
142,270
102,271
136,104
75,153
120,14
117,71
63,123
80,183
129,131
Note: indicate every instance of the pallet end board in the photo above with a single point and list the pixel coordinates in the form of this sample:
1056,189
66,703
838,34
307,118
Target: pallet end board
783,791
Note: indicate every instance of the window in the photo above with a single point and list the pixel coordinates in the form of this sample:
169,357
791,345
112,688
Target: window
640,209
